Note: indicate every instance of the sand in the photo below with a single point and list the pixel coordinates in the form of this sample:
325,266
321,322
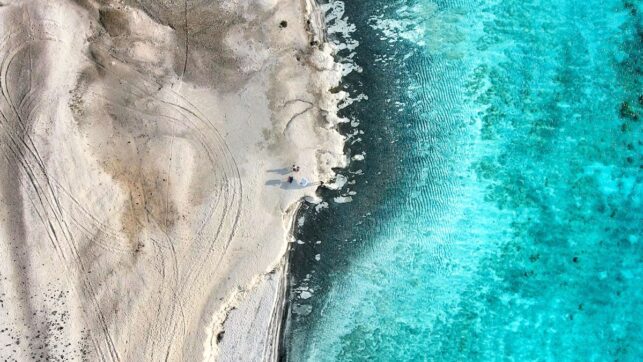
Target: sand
145,144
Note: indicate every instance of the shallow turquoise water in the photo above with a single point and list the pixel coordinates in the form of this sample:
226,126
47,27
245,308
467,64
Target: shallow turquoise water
498,211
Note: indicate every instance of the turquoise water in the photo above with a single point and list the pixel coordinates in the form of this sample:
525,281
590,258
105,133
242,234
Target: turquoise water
497,214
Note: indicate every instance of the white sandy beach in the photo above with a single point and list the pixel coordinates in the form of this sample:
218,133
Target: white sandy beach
146,145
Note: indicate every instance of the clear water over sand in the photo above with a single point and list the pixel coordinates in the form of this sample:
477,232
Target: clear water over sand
498,211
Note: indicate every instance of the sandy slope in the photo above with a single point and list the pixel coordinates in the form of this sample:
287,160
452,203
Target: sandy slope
142,173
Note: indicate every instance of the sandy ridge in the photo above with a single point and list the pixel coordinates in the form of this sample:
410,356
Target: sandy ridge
142,183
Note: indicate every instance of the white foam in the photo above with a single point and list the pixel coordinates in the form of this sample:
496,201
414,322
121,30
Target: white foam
350,100
340,181
321,206
340,30
343,199
302,309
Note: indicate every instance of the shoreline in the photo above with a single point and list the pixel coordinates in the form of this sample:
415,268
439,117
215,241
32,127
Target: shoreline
271,336
317,30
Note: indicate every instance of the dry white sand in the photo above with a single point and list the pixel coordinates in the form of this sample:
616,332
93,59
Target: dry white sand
144,208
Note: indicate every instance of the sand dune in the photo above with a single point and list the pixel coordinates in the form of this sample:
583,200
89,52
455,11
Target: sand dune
145,150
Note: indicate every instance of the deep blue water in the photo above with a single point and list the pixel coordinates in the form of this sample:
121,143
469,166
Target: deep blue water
497,212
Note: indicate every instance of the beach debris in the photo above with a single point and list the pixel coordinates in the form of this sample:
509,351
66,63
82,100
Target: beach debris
283,24
303,182
290,179
295,168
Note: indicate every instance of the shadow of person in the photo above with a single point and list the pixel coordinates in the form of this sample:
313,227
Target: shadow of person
274,182
285,185
281,171
293,186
